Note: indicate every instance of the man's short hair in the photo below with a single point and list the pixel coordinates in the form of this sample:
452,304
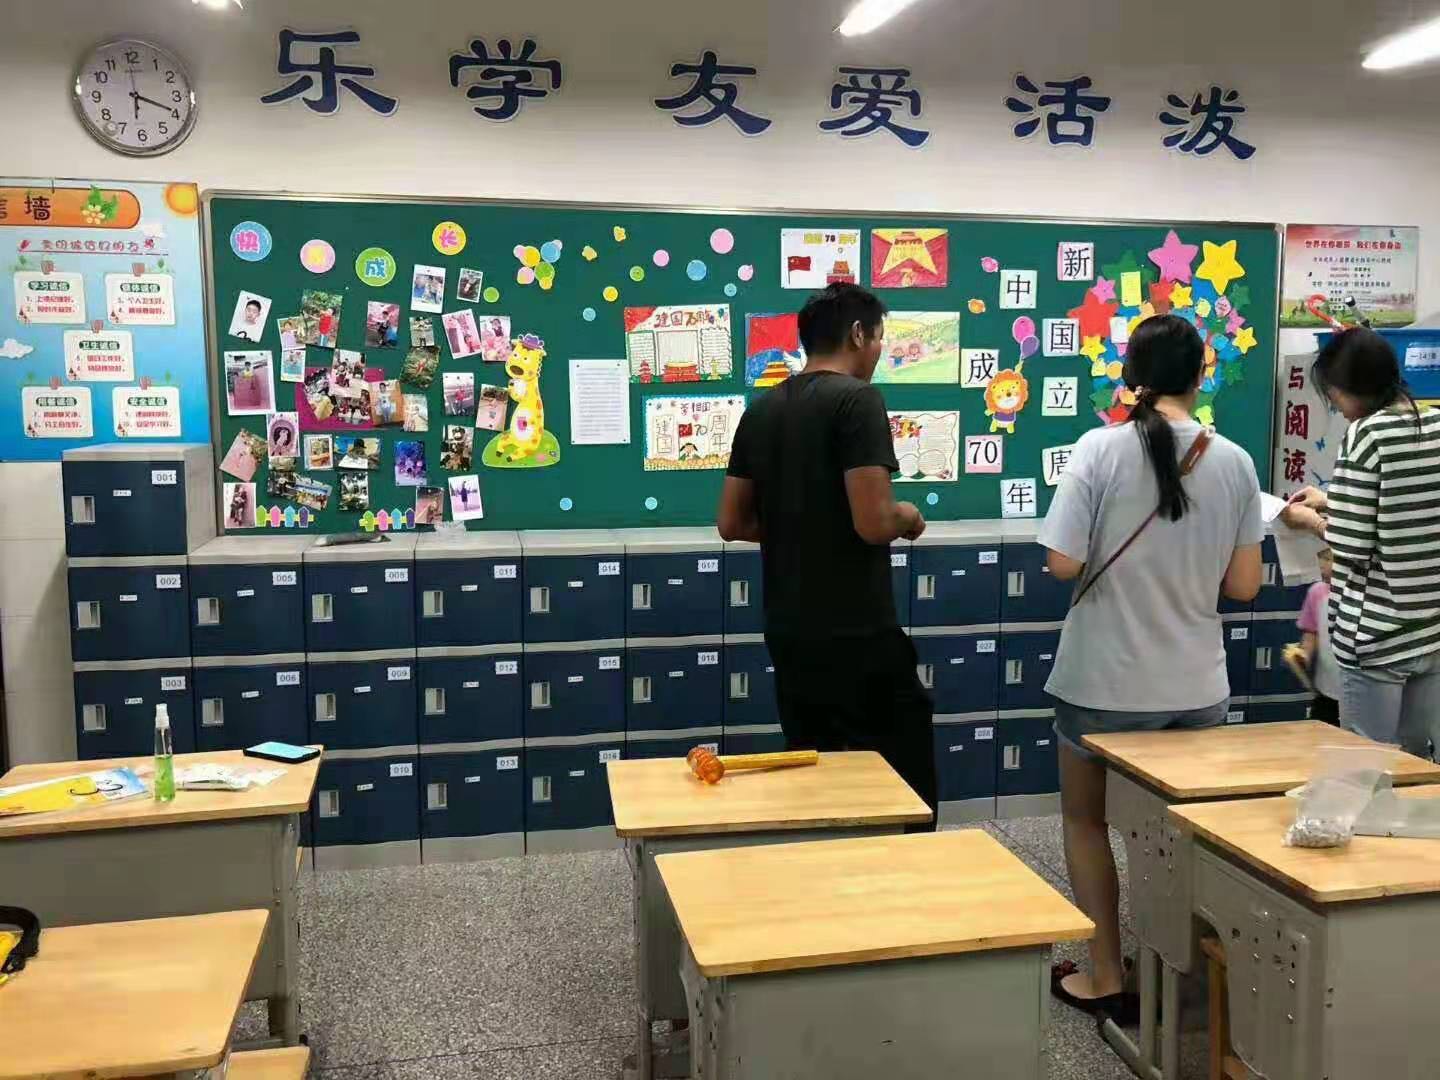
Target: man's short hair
827,317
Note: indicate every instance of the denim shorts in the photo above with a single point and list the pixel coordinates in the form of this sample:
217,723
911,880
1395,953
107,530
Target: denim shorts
1072,722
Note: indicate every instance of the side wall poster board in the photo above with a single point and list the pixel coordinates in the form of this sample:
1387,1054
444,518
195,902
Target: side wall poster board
1376,266
102,333
422,349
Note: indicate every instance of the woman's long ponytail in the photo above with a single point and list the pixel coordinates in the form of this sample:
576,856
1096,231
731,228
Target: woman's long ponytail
1164,357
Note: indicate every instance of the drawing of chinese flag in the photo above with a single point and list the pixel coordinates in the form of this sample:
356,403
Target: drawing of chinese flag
909,258
766,332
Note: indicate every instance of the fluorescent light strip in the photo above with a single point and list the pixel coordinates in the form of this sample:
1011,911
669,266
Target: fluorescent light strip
868,14
1414,46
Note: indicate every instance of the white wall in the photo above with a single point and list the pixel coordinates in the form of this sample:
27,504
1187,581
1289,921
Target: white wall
1335,144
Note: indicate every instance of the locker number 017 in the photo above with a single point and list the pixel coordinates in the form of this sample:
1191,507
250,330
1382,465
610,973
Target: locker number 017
134,97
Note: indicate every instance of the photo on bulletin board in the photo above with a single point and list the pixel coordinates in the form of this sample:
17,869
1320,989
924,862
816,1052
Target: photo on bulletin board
920,347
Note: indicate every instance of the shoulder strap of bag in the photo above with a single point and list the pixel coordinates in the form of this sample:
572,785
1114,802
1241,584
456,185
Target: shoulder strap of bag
1187,465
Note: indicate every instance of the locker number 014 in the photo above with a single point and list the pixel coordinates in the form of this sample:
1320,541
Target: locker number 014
134,97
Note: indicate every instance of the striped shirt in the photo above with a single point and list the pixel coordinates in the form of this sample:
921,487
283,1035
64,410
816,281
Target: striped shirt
1384,531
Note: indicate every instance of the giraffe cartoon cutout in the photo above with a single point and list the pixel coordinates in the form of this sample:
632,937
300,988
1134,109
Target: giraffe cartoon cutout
524,444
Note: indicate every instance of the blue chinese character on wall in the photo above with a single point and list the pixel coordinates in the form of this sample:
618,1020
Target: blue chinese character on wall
713,83
1067,110
332,75
504,80
873,96
1205,124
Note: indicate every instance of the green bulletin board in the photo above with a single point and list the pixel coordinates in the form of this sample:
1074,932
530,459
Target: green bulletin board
607,486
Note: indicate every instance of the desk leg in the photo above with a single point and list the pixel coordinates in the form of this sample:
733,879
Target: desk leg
1169,1022
635,852
284,1003
1140,1057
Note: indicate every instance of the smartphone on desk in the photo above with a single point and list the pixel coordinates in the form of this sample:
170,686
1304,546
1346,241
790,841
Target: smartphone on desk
285,753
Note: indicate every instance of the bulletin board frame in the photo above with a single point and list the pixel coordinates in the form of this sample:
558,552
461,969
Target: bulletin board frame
607,487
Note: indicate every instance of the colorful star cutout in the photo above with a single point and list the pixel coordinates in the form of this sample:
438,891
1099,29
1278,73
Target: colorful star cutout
1202,308
1124,264
1240,295
1160,294
1094,316
1104,289
1234,322
1220,266
1114,369
1245,339
1174,258
1094,349
1180,296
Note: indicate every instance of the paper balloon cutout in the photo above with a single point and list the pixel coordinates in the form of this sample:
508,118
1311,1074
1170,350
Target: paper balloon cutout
619,233
611,293
530,256
661,257
317,256
637,273
989,265
550,250
588,253
1029,347
525,275
746,272
722,241
976,306
1022,328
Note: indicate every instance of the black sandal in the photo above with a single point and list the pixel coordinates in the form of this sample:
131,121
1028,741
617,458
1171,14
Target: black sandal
1121,1007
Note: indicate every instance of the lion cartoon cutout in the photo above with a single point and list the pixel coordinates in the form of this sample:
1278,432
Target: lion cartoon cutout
1005,395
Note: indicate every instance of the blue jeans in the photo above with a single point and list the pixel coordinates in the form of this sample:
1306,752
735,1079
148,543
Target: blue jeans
1399,704
1072,722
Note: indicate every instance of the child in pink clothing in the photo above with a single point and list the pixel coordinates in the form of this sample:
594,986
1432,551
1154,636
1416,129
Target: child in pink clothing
1314,625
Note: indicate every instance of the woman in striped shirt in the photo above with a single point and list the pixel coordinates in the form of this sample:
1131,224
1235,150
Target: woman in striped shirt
1379,518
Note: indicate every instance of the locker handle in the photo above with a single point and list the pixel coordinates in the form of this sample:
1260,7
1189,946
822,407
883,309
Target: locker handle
927,675
93,718
540,789
1262,658
739,685
82,509
324,708
1015,583
1267,574
432,604
925,587
539,695
87,615
434,701
322,608
640,596
740,593
207,611
212,712
329,802
540,600
640,689
1011,757
437,795
1014,672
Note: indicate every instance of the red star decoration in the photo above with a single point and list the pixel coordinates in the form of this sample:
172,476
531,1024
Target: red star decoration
1160,296
1094,316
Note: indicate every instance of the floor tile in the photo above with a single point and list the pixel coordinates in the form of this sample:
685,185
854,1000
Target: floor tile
583,1060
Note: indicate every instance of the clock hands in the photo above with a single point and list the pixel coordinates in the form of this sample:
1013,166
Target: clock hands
149,101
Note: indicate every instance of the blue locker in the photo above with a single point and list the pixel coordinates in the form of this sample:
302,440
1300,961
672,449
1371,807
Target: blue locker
1279,708
566,790
246,596
362,700
955,575
674,683
900,579
361,596
636,749
1027,655
129,609
574,585
1274,594
769,740
133,499
1236,631
366,810
960,666
965,769
744,589
1028,765
470,694
115,706
244,700
749,683
572,692
474,804
1269,673
468,589
1237,711
1031,593
674,582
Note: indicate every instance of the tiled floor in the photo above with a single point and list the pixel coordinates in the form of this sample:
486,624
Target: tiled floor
520,969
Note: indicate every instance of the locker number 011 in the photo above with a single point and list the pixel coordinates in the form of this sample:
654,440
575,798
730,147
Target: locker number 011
134,97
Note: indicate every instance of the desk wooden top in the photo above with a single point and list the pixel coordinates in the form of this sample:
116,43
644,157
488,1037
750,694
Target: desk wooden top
782,907
288,794
1253,759
128,999
661,797
1367,868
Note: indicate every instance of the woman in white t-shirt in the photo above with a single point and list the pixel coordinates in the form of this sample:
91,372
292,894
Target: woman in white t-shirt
1142,648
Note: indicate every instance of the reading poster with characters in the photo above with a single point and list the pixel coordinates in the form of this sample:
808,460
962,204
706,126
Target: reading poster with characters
102,333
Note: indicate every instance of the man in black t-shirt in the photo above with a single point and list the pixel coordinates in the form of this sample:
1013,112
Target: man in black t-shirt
809,480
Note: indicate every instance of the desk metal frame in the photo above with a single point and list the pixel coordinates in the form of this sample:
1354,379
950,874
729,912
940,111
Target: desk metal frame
188,868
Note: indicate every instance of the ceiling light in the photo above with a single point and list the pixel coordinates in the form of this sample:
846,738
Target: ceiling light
1414,46
868,14
219,5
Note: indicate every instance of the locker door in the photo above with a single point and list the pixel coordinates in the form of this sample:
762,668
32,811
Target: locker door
1032,593
362,704
674,594
477,793
246,608
470,698
574,598
749,685
1029,761
674,687
125,611
960,670
955,585
114,508
355,606
1026,660
240,706
115,711
370,801
1237,656
900,581
468,601
574,693
566,787
965,765
744,592
1269,673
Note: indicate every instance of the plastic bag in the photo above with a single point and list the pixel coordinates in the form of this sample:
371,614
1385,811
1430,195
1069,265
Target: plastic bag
1342,786
1389,815
210,777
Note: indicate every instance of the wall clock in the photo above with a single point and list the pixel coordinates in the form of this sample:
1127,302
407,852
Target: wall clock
134,97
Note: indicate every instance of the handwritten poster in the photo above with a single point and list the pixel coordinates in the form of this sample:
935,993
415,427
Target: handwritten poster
690,432
599,402
679,343
927,445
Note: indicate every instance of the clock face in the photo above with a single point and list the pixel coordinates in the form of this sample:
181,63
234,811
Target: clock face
134,97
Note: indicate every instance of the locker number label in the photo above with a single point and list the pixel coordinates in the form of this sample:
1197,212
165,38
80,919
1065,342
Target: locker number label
609,569
707,566
287,678
247,694
610,755
576,679
395,574
985,645
469,588
472,779
989,558
162,477
1239,633
470,684
120,493
172,682
899,558
609,663
984,734
505,572
707,659
359,590
402,768
134,701
167,581
282,577
507,667
364,787
1234,716
507,762
128,597
398,673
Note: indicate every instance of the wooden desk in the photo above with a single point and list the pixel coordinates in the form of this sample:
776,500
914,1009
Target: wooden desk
661,807
878,956
129,999
1148,772
282,1063
206,851
1329,951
